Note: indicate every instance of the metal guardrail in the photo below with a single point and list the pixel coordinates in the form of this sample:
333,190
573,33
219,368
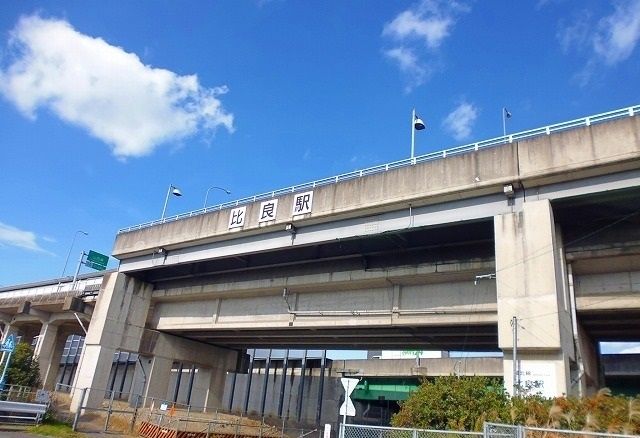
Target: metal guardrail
22,412
471,147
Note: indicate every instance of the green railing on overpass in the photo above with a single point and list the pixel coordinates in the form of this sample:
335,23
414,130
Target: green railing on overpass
471,147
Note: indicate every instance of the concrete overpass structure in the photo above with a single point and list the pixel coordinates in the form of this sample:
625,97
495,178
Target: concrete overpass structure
438,252
390,258
46,313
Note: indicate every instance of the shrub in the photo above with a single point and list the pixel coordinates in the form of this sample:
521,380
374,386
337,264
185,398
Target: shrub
465,403
459,403
23,368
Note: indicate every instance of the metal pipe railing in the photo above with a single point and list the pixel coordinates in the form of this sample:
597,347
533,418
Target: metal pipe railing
457,150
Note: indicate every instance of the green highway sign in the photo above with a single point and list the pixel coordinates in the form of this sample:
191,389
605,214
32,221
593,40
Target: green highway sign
97,261
95,266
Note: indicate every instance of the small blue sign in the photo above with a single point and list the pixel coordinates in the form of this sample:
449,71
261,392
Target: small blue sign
9,344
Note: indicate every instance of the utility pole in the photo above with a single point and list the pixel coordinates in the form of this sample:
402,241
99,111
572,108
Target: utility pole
516,374
75,276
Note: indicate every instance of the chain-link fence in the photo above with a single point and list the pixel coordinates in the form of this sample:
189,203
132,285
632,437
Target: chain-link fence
154,418
495,430
491,430
539,432
356,431
157,418
112,415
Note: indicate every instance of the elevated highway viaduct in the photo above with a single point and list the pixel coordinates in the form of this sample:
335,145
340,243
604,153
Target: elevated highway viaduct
443,253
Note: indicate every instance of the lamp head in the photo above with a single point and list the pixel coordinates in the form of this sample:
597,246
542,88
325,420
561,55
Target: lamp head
176,191
418,124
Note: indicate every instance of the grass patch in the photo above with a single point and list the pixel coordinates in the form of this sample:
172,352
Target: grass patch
55,429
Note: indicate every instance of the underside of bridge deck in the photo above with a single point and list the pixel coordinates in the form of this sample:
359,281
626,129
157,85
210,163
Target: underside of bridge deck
471,338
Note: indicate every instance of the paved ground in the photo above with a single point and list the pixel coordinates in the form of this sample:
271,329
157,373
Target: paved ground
13,433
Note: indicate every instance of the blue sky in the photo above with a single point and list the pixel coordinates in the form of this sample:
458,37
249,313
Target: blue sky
103,105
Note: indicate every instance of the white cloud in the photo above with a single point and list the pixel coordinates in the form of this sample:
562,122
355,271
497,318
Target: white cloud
430,21
617,34
110,93
575,34
409,24
631,350
424,25
607,41
620,347
408,63
13,236
460,121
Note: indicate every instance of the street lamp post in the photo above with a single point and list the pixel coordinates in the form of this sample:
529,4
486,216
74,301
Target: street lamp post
206,196
416,125
173,190
505,115
64,269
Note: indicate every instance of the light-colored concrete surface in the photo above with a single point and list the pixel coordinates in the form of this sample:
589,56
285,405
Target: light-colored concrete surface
117,324
469,366
564,156
532,286
343,294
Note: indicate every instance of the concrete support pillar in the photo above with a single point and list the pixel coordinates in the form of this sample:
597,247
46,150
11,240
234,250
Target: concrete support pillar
49,352
10,329
215,388
590,373
212,363
5,323
158,378
117,323
532,286
98,360
139,380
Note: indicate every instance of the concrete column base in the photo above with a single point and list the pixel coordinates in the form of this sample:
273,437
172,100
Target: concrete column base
158,378
51,347
93,372
546,373
215,389
139,380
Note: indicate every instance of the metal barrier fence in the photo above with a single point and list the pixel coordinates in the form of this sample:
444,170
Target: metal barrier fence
490,430
157,417
471,147
22,404
18,393
111,416
357,431
539,432
154,417
495,430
